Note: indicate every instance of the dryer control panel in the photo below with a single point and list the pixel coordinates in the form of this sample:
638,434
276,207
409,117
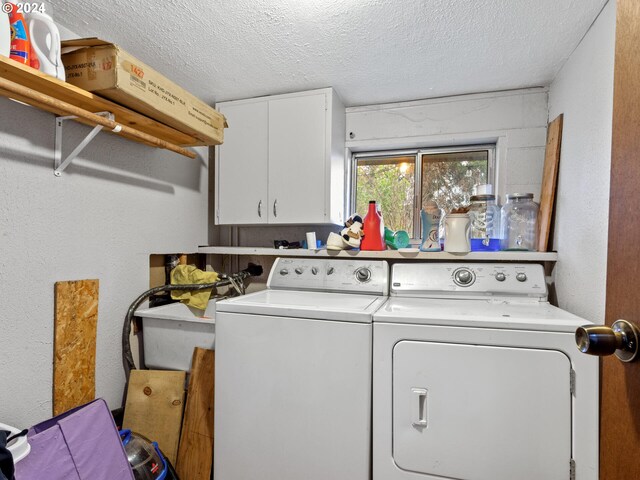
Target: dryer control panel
321,274
472,280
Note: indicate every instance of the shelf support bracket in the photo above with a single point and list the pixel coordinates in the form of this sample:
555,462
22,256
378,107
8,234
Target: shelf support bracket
60,165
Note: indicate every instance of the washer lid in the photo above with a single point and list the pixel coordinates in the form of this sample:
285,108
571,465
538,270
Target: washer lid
314,305
503,314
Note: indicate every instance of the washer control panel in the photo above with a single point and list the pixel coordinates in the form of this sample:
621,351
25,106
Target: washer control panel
468,280
323,274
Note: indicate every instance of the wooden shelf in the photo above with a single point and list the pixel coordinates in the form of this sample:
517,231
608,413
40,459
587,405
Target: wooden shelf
387,254
30,86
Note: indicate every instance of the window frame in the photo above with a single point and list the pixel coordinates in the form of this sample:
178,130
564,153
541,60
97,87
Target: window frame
417,154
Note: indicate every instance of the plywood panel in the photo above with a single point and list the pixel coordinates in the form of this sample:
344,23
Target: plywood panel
196,443
74,362
549,181
155,402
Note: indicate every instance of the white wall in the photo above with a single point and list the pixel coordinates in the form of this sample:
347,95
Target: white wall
516,120
121,202
583,91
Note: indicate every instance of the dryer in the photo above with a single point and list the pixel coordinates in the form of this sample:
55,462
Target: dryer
477,377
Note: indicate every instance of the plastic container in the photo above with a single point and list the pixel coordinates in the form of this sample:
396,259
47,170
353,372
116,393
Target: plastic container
45,42
396,240
373,229
484,214
20,38
519,222
430,216
19,447
457,228
5,33
144,456
171,332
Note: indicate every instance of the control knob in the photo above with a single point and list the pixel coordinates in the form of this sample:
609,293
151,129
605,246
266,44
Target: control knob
299,271
501,277
314,270
363,274
330,270
463,277
284,271
521,277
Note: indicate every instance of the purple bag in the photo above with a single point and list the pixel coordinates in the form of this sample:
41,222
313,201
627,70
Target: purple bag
81,444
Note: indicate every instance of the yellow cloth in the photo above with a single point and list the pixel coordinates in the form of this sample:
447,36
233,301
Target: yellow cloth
188,274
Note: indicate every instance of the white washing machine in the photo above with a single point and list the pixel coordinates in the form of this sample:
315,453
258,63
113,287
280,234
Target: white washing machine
477,377
293,373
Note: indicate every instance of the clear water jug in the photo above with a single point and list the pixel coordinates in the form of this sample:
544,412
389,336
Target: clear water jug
485,223
519,222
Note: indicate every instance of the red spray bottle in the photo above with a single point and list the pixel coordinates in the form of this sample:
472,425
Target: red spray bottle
373,229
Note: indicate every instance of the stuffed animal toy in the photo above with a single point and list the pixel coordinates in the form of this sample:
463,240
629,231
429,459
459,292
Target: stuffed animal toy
349,237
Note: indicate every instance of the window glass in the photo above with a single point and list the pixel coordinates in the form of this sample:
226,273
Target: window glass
449,178
394,179
391,182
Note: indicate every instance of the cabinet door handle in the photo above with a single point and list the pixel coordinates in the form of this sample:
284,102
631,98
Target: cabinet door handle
260,208
275,208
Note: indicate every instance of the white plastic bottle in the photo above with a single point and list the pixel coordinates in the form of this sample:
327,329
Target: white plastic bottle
45,41
5,33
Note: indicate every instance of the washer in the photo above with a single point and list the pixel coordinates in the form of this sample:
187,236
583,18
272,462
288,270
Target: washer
477,377
293,373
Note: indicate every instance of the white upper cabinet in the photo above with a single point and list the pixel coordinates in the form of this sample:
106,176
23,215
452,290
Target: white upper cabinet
282,161
241,166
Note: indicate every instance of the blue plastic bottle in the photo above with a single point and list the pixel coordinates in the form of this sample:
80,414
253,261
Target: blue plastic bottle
430,215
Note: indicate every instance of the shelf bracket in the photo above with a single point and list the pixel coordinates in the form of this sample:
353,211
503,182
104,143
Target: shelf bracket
60,165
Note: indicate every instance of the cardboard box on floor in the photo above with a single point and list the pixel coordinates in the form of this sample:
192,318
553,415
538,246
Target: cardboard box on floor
105,69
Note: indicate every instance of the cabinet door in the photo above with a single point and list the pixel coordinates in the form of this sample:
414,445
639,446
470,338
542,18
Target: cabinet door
297,153
242,165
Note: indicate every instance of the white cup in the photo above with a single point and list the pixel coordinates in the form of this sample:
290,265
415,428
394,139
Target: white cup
311,240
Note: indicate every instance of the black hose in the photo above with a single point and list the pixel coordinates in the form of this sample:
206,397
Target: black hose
127,356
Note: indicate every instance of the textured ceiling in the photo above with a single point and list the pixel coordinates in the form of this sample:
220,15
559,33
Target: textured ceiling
370,51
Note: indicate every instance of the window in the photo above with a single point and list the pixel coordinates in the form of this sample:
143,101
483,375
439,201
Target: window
398,179
391,181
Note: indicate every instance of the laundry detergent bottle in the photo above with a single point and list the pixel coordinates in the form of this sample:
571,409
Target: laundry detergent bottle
45,41
20,39
373,229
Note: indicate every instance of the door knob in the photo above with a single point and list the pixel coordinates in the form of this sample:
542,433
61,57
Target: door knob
620,339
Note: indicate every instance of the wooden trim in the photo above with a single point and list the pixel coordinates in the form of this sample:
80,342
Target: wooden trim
46,102
39,82
620,392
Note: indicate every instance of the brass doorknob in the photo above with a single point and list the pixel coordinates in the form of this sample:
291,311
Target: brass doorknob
621,339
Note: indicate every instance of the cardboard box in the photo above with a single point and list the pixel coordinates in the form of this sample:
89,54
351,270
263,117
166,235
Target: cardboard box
106,70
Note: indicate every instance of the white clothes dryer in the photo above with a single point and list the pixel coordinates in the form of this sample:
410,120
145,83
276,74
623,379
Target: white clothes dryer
293,373
477,377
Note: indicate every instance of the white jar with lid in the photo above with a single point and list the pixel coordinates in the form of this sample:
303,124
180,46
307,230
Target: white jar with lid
519,222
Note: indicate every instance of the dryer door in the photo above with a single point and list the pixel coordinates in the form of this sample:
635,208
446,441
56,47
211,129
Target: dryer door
481,412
